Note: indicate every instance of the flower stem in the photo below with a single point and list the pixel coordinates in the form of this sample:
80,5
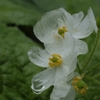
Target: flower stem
96,75
1,82
93,80
79,69
93,68
91,53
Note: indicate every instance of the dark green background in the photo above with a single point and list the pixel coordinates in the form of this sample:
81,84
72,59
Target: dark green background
17,19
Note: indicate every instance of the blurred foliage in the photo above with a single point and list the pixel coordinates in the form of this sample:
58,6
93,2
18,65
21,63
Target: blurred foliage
20,12
16,71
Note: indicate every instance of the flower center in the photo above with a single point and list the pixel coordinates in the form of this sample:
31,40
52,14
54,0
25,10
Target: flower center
62,30
55,60
79,85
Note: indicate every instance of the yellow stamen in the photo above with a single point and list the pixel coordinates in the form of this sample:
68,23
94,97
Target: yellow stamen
62,30
55,60
79,85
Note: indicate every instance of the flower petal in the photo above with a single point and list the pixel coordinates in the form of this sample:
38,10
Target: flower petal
83,30
61,72
69,21
65,46
43,33
48,77
38,56
92,19
71,76
56,47
77,18
70,62
69,43
71,95
43,80
48,26
81,47
73,65
59,91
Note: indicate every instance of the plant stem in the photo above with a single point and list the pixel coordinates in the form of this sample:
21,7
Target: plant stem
91,53
79,69
96,75
1,82
93,80
93,68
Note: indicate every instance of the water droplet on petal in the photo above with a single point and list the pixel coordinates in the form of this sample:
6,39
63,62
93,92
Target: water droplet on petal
37,92
37,87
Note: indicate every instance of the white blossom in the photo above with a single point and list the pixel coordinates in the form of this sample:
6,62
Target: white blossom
68,87
57,23
90,15
63,92
59,58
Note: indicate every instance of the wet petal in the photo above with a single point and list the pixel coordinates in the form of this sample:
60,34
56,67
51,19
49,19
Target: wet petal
83,30
59,91
69,21
56,47
77,18
38,56
69,43
43,80
70,64
47,27
92,19
71,95
61,72
73,65
71,76
81,47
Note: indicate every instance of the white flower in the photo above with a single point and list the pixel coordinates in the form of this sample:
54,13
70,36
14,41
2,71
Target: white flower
92,19
60,61
59,22
63,92
66,90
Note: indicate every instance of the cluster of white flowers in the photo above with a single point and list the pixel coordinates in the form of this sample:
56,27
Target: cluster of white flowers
61,33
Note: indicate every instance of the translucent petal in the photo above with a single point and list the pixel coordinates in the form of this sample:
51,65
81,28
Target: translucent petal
63,46
39,56
73,65
48,26
69,21
43,33
56,47
43,80
77,18
71,95
61,72
92,19
59,91
69,43
81,47
70,65
70,76
71,56
83,30
50,76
